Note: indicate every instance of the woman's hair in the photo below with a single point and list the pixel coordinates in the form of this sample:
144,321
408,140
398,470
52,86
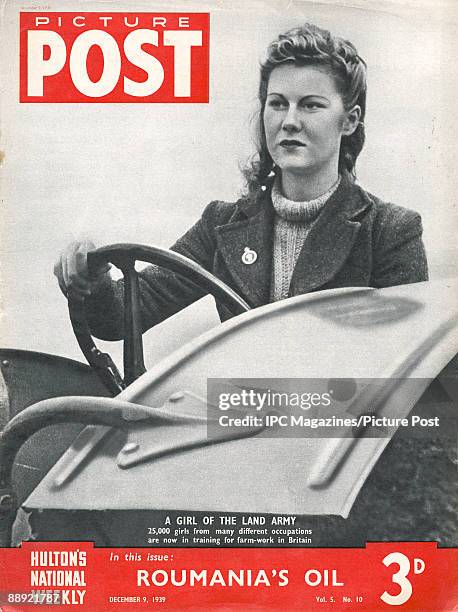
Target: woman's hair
310,45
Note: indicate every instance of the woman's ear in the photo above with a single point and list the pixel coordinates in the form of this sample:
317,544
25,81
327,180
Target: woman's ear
351,121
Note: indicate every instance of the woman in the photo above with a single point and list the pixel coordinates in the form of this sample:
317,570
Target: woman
304,225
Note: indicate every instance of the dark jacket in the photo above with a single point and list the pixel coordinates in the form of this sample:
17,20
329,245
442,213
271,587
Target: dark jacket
357,241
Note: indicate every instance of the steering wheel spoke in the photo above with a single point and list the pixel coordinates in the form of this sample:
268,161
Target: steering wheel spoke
134,365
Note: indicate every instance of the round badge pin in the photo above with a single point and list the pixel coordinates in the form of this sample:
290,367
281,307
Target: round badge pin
249,256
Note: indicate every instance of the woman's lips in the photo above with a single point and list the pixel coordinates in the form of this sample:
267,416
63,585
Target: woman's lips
291,144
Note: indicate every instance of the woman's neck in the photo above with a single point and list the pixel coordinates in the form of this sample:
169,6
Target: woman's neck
304,188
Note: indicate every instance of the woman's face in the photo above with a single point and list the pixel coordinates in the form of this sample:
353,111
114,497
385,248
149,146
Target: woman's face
304,120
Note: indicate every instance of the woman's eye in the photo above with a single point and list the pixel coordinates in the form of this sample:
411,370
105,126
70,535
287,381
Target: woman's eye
275,103
313,105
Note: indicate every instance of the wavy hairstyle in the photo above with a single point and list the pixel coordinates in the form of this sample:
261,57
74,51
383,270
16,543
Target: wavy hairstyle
310,45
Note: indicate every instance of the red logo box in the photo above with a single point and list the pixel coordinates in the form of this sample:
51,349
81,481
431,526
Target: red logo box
114,57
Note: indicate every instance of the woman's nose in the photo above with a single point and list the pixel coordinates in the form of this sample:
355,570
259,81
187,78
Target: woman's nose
292,121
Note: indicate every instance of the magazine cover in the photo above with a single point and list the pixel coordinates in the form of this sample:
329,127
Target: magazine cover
229,318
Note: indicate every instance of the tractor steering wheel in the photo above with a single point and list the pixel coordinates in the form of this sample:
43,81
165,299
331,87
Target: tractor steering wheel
124,256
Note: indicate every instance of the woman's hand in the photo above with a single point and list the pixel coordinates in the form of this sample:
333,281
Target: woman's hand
72,272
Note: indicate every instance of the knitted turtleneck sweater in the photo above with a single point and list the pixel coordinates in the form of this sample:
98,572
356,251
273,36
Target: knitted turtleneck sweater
293,221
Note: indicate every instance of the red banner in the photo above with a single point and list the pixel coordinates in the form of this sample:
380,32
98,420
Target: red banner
413,576
114,57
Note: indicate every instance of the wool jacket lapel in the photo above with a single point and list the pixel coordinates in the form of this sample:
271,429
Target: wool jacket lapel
251,228
330,239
